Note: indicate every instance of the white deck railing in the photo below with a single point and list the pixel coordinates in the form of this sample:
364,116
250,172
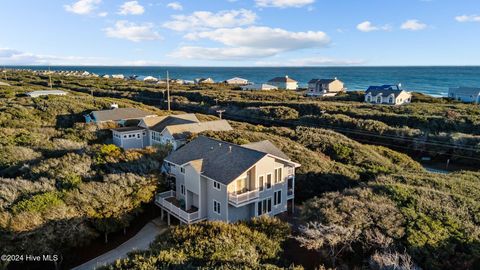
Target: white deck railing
243,197
161,199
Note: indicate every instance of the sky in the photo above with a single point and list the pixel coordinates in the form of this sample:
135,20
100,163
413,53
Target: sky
240,32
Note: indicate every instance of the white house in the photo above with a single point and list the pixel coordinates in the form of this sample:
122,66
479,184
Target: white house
387,94
204,81
262,86
465,94
118,76
237,81
284,83
150,79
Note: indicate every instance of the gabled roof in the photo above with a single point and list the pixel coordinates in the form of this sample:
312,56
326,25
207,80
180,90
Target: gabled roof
221,161
182,131
236,79
267,147
282,79
161,123
384,87
120,114
322,81
385,90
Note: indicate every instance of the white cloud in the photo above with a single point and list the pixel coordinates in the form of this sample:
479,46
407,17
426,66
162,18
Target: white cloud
413,25
132,8
220,54
261,42
367,26
132,31
264,37
468,18
206,19
175,6
314,61
283,3
15,57
103,14
83,7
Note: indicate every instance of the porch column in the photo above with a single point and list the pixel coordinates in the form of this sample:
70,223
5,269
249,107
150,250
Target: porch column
293,205
162,214
168,219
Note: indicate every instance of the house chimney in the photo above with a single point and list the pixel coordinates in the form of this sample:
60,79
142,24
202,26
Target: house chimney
286,76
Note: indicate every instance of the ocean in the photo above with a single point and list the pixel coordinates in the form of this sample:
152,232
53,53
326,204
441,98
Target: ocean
433,81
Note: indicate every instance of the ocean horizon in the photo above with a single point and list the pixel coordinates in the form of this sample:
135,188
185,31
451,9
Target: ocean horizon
431,80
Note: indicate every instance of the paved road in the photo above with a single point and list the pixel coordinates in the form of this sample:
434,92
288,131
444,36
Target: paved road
140,241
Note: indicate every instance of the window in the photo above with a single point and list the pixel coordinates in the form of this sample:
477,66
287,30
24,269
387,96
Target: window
216,207
182,169
144,133
138,136
260,182
264,207
242,185
156,136
369,98
277,198
379,99
182,189
216,185
269,181
390,100
124,136
278,175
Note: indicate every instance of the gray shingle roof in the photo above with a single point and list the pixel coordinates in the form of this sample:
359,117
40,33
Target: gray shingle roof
322,81
182,131
221,161
282,79
172,120
267,147
120,114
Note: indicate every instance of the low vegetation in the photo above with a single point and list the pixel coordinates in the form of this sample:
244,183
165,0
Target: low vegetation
62,184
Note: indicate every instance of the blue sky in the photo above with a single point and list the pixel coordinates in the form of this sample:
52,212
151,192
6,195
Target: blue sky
240,32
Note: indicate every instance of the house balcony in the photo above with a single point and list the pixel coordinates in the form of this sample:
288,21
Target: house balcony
172,205
239,198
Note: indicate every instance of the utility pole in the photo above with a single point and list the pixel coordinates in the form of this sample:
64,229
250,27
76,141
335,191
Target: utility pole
220,112
5,73
50,77
168,92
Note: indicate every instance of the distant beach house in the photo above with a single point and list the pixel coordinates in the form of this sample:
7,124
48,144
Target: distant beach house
217,180
150,79
118,76
325,87
162,130
117,115
465,94
284,83
387,94
204,81
261,86
35,94
237,81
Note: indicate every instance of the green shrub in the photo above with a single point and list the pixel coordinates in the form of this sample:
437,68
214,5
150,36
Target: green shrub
39,203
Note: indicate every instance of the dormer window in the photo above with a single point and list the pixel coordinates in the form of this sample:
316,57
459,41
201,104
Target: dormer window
379,99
